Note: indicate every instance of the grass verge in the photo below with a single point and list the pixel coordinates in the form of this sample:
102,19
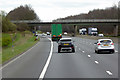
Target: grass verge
0,49
21,44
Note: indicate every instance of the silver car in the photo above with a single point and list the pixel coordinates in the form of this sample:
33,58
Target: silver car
66,44
43,35
104,45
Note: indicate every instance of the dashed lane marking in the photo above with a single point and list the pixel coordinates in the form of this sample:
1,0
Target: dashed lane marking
89,56
96,62
83,51
116,51
109,73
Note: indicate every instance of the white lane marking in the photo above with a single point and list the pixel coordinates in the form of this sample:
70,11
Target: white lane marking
79,48
83,51
110,73
96,62
69,53
18,57
47,63
89,56
116,51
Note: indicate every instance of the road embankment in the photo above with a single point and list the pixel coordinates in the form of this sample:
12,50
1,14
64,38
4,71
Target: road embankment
20,43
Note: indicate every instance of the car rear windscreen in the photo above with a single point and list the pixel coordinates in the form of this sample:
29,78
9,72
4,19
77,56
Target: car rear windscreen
105,41
66,40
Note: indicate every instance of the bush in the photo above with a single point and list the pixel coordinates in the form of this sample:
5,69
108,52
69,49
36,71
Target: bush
12,27
6,41
39,31
7,25
27,32
22,27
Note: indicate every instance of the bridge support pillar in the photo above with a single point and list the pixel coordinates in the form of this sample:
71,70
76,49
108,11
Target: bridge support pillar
116,30
34,28
75,30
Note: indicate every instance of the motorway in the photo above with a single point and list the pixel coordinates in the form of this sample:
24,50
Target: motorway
84,63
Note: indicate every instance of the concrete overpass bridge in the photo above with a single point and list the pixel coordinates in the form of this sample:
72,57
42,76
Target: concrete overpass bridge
75,23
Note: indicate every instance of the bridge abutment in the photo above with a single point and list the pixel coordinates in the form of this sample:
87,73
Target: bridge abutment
115,30
75,30
34,28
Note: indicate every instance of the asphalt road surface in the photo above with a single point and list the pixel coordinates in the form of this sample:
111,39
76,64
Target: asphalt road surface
31,63
84,63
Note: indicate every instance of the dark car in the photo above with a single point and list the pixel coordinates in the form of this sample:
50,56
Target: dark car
66,44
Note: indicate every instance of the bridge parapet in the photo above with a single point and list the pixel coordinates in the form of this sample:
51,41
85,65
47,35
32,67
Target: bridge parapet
26,21
89,20
63,21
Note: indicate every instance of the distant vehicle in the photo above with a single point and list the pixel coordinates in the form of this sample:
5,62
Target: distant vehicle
48,33
100,35
92,31
56,32
35,34
43,35
65,33
80,31
66,44
104,45
83,31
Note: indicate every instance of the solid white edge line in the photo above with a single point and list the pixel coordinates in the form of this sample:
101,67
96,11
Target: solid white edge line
47,63
110,73
17,57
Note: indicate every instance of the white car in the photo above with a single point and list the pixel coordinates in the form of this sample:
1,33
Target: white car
104,45
48,33
100,35
43,35
65,33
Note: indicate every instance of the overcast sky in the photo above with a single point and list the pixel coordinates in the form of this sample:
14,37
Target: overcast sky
48,10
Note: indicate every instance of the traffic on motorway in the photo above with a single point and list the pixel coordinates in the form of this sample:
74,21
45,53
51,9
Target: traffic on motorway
58,55
59,40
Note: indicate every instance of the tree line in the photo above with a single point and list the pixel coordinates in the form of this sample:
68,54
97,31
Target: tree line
23,12
108,13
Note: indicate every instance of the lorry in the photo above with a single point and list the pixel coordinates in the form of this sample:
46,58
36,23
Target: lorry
80,31
93,31
83,31
56,30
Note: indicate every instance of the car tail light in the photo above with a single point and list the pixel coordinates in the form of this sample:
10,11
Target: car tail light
99,44
72,47
59,35
54,36
112,43
59,46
